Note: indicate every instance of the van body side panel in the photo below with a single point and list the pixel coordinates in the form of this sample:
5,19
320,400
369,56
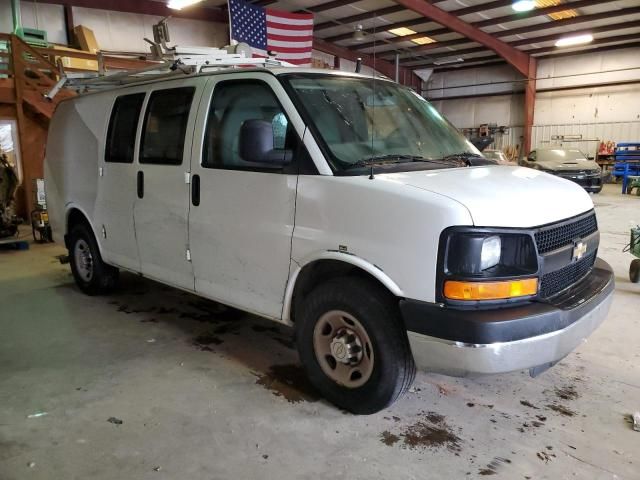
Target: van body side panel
74,146
379,221
116,198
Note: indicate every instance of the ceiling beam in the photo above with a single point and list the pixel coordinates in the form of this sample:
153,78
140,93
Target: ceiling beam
516,58
147,7
359,17
398,8
382,66
405,23
544,51
459,12
527,41
485,23
515,31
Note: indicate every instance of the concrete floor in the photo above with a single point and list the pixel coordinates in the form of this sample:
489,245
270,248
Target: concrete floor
203,393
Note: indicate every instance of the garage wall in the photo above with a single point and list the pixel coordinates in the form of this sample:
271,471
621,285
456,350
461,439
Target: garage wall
597,112
125,32
43,16
114,30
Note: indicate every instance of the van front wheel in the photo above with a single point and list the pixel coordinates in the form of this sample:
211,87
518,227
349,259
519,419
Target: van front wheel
91,274
353,345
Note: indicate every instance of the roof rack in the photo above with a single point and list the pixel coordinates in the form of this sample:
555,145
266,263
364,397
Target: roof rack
181,64
171,61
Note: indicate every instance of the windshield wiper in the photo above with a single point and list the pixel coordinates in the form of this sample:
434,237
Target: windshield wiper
468,159
388,159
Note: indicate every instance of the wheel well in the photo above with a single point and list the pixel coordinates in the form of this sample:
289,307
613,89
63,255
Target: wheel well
322,271
74,217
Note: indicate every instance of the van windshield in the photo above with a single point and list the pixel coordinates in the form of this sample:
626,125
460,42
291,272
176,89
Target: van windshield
365,122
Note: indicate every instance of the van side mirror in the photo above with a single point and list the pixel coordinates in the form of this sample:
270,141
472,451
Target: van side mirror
531,159
590,157
256,145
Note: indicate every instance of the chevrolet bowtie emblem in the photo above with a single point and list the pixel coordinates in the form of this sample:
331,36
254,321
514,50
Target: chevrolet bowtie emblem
579,250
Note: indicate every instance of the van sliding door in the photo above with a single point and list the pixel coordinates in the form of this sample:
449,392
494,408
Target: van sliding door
162,192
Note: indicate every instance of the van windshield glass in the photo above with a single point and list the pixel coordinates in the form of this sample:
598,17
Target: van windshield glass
363,122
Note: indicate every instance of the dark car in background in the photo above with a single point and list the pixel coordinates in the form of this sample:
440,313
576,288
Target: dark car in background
569,163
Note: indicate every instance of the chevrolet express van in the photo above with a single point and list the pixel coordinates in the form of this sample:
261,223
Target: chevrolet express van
344,206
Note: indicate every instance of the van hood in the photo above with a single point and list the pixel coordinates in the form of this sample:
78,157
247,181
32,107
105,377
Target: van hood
569,165
502,196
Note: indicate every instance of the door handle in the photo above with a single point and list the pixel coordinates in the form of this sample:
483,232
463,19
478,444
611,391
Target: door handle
140,183
195,190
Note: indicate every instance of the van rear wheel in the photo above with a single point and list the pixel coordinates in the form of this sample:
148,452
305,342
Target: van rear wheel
353,345
91,274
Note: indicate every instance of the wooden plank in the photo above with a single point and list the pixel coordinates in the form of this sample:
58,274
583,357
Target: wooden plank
7,90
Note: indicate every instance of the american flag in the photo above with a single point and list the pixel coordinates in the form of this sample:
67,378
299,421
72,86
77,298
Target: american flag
288,35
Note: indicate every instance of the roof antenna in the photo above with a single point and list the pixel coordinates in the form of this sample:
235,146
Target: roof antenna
358,64
371,177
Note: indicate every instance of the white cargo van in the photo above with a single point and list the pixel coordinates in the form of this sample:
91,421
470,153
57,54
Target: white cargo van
344,206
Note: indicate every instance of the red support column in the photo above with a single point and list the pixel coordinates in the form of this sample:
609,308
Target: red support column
529,105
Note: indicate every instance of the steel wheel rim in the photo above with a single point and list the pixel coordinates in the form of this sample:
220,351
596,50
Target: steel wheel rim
83,260
343,349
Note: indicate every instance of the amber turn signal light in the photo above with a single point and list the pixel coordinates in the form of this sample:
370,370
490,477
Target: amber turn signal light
455,290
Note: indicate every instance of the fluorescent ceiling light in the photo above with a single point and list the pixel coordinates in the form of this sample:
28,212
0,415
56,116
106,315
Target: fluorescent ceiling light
402,31
180,4
445,61
523,5
575,40
423,40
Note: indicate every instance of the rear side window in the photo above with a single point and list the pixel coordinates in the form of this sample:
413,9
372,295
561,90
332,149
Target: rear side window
121,136
165,126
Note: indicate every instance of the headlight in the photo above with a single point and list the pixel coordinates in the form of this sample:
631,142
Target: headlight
487,264
490,253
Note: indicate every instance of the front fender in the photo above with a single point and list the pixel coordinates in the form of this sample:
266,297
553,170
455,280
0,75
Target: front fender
351,259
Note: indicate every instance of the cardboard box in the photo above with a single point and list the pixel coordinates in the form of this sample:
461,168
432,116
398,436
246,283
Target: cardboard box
86,39
80,63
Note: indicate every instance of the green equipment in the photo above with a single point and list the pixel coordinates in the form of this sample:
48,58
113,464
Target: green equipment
32,36
634,249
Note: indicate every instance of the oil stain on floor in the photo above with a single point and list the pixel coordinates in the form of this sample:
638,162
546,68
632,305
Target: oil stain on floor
431,431
289,382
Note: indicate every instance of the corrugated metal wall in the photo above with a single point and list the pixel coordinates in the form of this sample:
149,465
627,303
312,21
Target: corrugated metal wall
615,131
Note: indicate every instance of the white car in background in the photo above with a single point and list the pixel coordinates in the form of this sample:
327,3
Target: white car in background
344,206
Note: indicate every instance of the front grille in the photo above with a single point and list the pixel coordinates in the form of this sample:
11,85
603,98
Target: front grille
557,281
554,237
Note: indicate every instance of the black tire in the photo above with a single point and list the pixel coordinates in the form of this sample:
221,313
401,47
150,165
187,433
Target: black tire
393,368
634,271
103,277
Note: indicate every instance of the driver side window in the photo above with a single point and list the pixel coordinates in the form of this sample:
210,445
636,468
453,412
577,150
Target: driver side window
234,104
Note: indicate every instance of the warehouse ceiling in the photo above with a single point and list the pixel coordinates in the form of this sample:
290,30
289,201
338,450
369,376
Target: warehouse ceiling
391,28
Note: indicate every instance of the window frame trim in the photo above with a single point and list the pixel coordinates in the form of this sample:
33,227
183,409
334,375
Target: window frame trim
110,124
143,127
293,165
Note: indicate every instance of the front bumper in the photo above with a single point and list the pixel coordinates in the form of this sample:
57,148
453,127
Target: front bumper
463,342
590,182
